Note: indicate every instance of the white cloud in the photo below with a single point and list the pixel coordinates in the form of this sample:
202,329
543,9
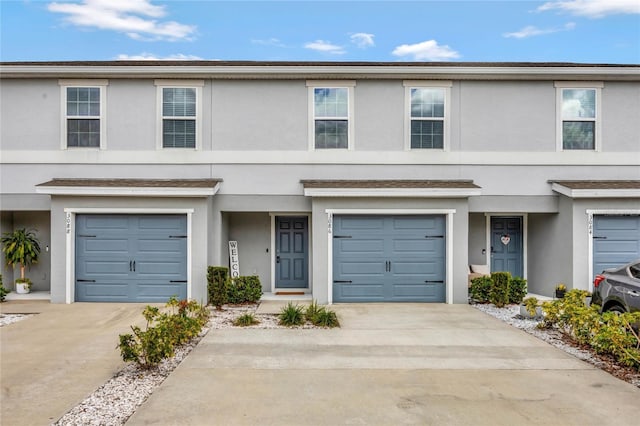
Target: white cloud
325,47
151,57
531,31
135,18
428,50
269,42
594,8
362,40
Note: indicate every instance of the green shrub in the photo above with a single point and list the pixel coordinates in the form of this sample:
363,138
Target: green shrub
607,333
291,315
499,294
246,320
312,310
164,331
321,316
531,304
480,289
325,318
517,290
217,278
245,289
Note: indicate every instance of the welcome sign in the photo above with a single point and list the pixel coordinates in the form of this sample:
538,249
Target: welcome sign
234,260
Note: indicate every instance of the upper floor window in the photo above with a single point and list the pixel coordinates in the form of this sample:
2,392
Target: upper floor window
331,111
579,115
83,117
427,116
179,113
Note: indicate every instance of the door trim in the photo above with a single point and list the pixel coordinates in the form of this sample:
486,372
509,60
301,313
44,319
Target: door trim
70,230
525,238
273,216
598,212
448,213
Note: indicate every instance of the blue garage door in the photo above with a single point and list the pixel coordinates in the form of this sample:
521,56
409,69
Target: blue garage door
616,241
389,258
131,258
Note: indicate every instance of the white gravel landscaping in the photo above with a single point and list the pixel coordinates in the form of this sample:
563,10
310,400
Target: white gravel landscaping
6,319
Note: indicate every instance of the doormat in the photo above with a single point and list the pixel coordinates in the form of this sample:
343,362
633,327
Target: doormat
289,293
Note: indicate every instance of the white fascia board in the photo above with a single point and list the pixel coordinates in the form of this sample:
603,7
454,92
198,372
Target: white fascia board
127,191
595,193
303,70
393,192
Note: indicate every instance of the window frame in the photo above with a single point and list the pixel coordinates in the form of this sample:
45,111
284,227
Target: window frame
561,86
446,85
197,85
328,84
64,117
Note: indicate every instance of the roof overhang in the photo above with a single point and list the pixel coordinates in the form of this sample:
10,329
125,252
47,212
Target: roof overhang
131,187
391,188
308,70
597,188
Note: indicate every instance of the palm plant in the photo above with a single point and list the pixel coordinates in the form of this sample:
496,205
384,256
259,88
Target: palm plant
20,247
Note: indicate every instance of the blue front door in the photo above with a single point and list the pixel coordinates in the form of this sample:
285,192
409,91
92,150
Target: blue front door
130,258
292,257
506,245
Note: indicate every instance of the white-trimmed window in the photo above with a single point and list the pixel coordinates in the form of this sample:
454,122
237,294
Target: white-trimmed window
331,110
427,114
83,106
578,109
179,106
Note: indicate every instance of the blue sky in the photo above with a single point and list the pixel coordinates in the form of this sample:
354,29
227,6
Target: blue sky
587,31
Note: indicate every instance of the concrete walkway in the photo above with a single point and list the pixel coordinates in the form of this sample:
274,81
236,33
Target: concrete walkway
389,364
53,360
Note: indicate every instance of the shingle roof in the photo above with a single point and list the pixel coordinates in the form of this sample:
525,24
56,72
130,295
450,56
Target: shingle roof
134,183
386,184
598,184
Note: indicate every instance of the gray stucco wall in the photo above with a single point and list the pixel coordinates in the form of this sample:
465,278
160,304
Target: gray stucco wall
199,234
252,231
477,239
550,250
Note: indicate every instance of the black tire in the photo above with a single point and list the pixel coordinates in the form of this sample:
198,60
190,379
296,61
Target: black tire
616,308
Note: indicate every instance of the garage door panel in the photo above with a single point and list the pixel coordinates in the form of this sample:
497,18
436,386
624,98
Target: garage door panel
161,246
130,258
103,246
361,292
356,223
108,268
616,241
364,245
388,258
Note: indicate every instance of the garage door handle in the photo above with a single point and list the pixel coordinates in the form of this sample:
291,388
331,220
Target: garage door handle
342,236
178,281
86,281
434,282
342,281
599,238
86,236
177,236
434,236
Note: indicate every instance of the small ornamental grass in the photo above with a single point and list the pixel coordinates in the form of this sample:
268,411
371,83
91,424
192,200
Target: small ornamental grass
294,315
246,320
291,315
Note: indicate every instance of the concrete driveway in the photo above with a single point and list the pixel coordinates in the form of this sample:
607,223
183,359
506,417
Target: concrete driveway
53,360
389,364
